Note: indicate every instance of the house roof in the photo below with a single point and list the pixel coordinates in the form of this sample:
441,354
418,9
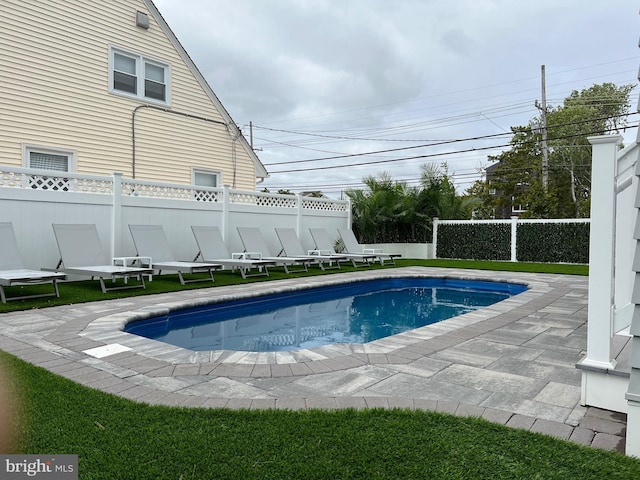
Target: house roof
261,171
314,193
490,169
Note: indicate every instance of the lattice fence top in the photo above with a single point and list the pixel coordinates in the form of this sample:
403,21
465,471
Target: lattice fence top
62,182
287,201
13,177
263,199
310,203
174,192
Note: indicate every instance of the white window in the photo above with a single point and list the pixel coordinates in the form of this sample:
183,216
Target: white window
46,158
140,77
517,207
205,178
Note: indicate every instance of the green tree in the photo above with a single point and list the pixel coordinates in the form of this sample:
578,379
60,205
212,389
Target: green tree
484,202
597,110
518,168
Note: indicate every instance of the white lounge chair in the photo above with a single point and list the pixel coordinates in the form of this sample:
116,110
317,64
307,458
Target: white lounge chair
292,247
351,245
81,254
213,249
325,246
254,243
151,241
12,271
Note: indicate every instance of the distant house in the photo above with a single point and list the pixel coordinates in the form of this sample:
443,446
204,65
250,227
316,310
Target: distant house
506,206
314,194
101,87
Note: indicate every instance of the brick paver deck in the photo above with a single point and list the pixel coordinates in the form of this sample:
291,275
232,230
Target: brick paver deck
512,363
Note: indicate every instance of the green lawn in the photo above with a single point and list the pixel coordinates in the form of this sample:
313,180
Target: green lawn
89,290
120,439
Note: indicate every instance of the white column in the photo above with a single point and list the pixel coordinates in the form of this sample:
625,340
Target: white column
299,214
602,252
116,216
225,213
435,237
514,238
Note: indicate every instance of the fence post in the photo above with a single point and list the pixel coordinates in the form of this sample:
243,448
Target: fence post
115,240
299,214
601,252
225,213
514,238
434,237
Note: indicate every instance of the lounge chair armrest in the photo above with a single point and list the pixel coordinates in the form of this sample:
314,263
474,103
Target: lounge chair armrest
247,256
320,252
134,261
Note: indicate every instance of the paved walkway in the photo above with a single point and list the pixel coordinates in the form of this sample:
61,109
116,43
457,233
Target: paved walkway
511,363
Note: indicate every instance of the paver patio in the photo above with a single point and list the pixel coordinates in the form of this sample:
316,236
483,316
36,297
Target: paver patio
511,363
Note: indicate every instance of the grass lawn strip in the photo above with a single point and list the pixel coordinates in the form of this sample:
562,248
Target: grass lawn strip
118,438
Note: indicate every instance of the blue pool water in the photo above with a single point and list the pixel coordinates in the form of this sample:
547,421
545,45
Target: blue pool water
357,312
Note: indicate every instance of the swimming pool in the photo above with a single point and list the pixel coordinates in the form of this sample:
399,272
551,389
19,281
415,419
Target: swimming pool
356,312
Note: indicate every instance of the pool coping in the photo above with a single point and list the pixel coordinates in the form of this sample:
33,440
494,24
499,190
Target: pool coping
110,328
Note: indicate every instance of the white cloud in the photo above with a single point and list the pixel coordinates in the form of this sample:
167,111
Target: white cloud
404,69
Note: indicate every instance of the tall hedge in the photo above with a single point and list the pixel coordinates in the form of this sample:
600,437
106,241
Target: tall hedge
553,242
476,241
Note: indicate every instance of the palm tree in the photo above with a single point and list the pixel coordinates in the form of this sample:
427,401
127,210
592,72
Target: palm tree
375,210
389,211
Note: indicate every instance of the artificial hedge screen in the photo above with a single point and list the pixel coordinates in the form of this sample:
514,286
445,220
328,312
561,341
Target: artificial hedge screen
536,242
476,241
553,242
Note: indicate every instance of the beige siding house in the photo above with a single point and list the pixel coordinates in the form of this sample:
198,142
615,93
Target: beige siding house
101,87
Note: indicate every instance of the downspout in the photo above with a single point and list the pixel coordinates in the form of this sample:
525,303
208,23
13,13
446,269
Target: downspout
234,166
133,141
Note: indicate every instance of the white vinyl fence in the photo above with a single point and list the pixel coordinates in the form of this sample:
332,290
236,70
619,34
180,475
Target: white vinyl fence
34,199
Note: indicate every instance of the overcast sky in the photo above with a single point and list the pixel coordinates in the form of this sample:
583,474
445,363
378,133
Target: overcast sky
320,79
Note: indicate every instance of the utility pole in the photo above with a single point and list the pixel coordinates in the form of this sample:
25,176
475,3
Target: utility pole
251,138
545,150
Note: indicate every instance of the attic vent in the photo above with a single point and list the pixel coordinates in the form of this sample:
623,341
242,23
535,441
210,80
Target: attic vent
142,20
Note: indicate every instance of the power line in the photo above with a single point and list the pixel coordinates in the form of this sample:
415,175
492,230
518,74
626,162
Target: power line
389,130
528,102
483,137
445,142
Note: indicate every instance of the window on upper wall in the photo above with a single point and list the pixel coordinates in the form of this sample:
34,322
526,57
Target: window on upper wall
205,178
139,77
45,158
